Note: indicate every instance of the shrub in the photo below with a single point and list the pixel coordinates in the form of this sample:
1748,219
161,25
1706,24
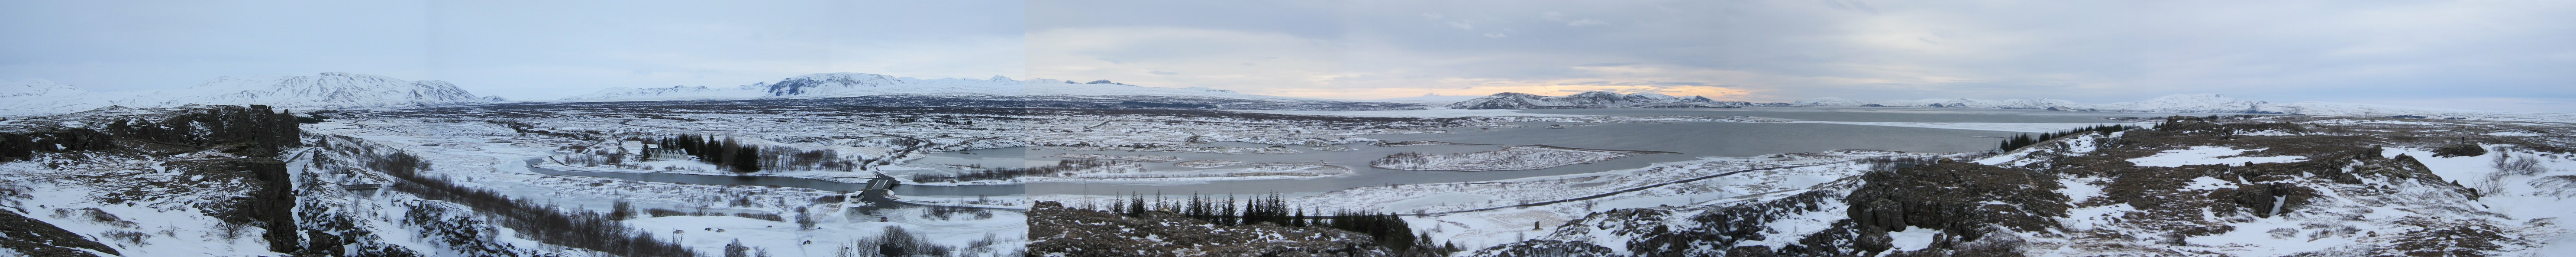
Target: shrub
2460,150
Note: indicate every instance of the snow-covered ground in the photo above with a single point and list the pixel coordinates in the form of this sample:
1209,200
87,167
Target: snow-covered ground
1508,158
2202,155
1480,214
171,226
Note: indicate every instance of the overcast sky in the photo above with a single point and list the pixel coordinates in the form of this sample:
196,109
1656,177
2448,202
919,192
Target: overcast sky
2501,54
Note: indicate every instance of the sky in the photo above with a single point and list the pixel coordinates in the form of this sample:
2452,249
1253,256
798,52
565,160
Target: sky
2513,55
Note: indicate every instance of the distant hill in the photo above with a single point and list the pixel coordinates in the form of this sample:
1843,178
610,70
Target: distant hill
1034,92
2206,103
326,90
2178,103
1595,99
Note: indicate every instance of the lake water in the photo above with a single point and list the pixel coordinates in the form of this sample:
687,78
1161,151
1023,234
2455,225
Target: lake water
1872,114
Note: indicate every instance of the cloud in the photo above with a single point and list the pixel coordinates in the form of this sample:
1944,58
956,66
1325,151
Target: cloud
1586,22
1166,56
517,49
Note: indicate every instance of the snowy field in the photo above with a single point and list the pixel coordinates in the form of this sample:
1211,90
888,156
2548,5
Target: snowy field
2203,155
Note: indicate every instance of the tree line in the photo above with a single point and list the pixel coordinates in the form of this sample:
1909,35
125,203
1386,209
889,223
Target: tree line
726,153
1387,229
733,155
2026,140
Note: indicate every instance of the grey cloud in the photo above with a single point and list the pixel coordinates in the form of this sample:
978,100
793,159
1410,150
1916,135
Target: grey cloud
518,49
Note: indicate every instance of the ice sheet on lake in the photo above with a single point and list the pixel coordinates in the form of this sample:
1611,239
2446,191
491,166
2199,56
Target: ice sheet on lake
1429,113
2014,127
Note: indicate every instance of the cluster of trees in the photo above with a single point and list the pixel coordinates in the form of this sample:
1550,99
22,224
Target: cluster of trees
530,130
727,153
317,117
733,155
821,159
946,212
895,241
2025,140
1387,228
541,222
1403,160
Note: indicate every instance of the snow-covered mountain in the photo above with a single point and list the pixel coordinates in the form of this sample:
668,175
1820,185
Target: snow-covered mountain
37,87
1594,99
995,91
846,84
2042,103
335,90
2211,103
1431,98
326,90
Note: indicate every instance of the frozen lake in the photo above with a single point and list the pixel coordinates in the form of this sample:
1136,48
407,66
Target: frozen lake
1871,114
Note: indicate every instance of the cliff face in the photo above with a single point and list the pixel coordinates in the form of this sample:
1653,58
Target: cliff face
222,162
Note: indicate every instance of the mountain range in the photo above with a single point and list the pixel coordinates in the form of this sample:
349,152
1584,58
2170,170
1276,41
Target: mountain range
1594,99
2178,103
848,84
330,90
